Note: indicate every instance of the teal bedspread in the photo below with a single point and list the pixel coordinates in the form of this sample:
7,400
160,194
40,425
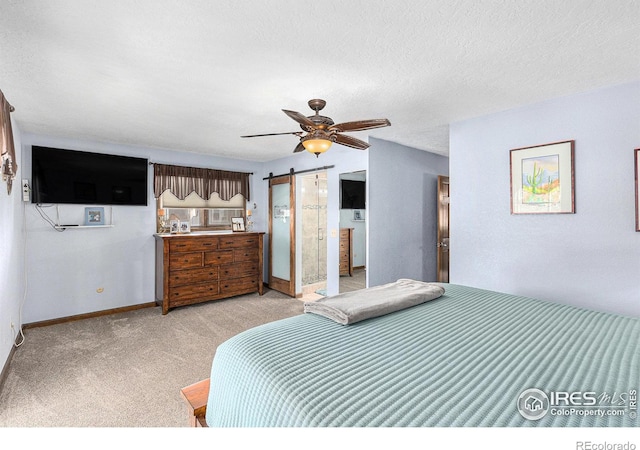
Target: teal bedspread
464,359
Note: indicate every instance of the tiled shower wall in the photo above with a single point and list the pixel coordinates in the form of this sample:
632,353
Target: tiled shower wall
314,231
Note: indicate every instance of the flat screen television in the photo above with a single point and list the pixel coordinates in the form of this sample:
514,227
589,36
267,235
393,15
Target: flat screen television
353,194
71,176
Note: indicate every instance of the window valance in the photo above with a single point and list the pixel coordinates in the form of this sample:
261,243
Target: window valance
182,181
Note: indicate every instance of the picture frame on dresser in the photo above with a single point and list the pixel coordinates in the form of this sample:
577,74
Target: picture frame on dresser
237,224
542,179
174,226
185,227
637,177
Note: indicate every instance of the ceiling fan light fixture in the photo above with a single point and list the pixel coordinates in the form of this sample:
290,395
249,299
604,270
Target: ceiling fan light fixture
316,143
316,146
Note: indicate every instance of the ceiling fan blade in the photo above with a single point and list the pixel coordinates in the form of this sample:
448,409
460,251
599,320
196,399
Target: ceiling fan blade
298,133
302,120
350,142
360,125
299,148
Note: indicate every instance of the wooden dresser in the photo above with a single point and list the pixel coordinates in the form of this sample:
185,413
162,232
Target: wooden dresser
346,251
194,268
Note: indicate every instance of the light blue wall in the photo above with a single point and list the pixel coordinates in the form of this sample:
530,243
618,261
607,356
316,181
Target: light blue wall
11,256
402,212
65,269
589,259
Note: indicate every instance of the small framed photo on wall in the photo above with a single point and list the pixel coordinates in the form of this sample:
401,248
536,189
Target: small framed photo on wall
542,179
94,216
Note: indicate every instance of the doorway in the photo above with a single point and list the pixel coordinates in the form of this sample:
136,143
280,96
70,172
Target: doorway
314,233
353,231
442,263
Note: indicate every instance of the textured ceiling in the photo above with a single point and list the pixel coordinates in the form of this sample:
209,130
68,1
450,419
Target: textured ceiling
196,75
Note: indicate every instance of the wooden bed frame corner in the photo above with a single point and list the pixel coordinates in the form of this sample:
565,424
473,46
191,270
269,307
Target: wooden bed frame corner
196,396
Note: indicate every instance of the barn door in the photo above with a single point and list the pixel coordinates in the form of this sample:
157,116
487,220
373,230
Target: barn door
282,238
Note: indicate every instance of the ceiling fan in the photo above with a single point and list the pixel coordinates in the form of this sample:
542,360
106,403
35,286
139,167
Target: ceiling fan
321,131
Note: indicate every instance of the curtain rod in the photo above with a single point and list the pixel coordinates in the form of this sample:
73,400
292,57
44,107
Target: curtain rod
151,163
291,172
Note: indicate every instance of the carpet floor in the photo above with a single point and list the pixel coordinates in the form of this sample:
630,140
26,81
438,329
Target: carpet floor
126,369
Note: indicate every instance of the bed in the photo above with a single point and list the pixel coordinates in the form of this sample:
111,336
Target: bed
470,358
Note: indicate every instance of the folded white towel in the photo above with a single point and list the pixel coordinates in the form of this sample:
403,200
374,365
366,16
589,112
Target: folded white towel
352,307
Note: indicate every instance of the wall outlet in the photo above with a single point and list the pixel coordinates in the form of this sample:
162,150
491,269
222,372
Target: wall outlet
25,190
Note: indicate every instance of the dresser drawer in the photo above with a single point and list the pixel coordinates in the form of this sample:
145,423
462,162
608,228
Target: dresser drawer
238,270
238,285
192,276
177,294
218,257
245,254
192,244
180,261
239,241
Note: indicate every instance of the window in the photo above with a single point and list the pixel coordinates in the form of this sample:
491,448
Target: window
212,214
206,198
